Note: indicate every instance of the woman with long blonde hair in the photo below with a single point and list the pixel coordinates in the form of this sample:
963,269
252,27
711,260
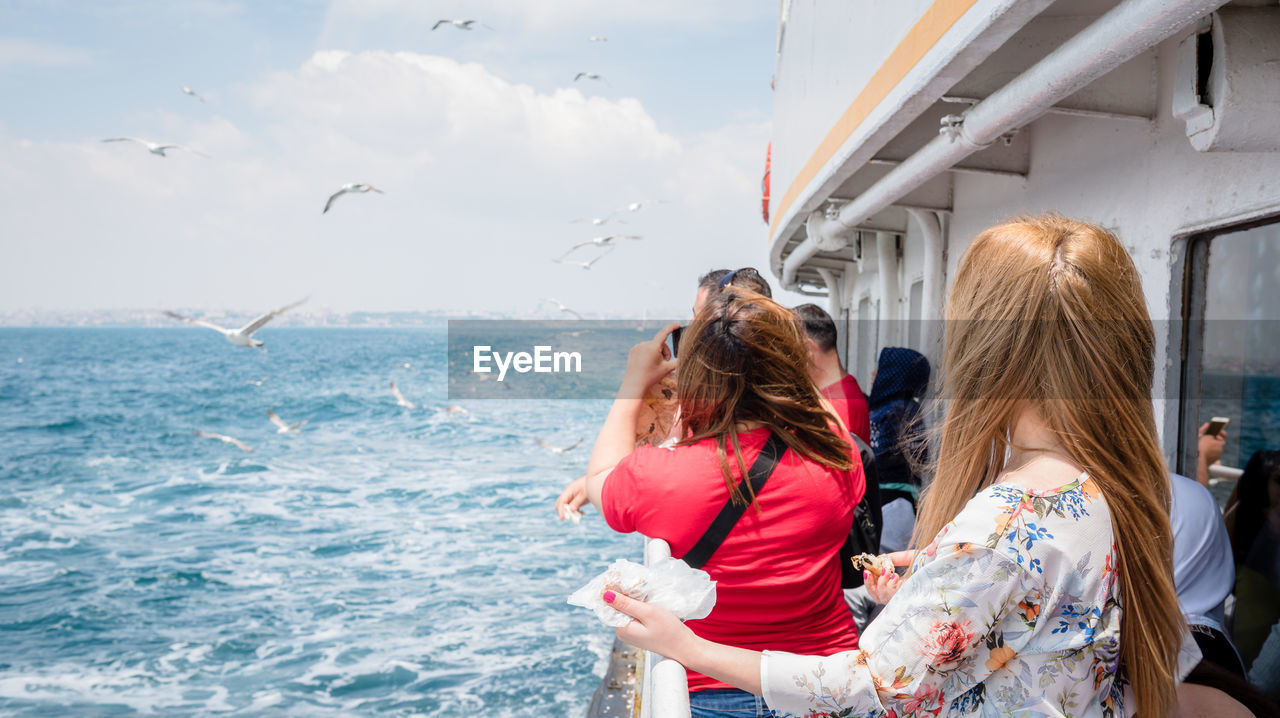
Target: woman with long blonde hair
1046,522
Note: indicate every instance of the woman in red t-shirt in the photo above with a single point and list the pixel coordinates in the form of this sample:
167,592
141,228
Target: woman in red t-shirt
742,377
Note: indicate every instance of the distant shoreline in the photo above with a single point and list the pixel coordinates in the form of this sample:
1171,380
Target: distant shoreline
352,320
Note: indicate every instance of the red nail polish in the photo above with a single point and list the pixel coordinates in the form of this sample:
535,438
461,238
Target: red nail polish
866,575
609,596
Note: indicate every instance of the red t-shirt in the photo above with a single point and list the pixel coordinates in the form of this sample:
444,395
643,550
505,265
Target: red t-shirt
777,573
847,398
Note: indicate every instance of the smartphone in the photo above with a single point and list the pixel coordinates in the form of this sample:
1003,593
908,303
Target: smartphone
675,341
1216,425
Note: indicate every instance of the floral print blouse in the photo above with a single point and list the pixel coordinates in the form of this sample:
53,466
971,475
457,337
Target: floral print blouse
1011,610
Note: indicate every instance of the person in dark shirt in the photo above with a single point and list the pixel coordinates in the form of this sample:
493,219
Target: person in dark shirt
902,377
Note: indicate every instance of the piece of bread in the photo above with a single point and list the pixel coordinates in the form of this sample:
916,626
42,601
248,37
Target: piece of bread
658,414
876,565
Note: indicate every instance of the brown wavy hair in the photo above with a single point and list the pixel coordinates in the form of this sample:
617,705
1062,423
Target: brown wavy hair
743,360
1048,313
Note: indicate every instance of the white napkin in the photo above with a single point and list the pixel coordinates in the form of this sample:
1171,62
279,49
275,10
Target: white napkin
670,583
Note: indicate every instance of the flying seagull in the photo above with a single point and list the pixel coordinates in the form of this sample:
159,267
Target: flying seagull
562,307
597,221
605,241
353,187
193,93
637,206
156,148
223,437
282,427
588,75
400,400
460,24
585,265
242,337
456,410
559,449
598,38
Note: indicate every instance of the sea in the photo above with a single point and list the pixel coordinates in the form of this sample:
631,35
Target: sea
383,560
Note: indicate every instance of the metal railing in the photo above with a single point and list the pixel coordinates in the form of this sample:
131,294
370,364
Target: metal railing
1224,473
664,690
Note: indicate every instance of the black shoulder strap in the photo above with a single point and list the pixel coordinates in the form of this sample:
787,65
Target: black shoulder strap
724,521
869,472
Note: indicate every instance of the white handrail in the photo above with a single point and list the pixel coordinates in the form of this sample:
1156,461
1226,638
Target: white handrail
1225,473
665,688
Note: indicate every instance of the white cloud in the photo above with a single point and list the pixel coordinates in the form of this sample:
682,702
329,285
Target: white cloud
17,52
481,178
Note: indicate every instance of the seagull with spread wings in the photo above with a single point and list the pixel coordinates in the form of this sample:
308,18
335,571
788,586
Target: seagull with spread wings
562,307
597,221
460,24
156,148
587,75
188,91
226,439
400,400
242,337
282,427
587,264
605,241
352,187
559,449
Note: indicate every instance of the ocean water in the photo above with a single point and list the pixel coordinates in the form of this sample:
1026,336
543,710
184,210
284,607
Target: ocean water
382,561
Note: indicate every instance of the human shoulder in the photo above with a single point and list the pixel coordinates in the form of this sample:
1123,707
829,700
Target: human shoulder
649,460
1190,497
1028,524
852,387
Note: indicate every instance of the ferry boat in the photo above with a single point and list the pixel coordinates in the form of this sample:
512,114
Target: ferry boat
902,129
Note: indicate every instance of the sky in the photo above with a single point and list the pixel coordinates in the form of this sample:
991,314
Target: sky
485,148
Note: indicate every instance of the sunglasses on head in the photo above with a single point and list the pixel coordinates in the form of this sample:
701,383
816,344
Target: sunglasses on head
727,280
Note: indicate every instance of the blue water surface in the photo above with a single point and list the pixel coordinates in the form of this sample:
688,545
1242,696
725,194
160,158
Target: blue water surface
383,561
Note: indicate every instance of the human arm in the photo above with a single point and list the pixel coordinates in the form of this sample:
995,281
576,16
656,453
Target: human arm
572,498
882,588
648,362
657,629
944,632
941,624
1211,447
584,489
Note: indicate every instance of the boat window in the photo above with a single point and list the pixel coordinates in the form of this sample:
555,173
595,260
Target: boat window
1232,360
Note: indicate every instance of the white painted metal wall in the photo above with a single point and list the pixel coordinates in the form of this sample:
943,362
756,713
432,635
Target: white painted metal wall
1145,182
1141,179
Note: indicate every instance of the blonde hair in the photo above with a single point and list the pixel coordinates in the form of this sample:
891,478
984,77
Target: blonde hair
1048,313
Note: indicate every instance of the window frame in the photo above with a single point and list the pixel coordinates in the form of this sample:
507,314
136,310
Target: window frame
1194,282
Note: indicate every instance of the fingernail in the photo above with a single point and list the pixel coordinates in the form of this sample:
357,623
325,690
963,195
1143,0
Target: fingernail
866,575
609,596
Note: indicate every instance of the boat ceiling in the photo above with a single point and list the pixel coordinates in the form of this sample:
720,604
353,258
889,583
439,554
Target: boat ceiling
1128,93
